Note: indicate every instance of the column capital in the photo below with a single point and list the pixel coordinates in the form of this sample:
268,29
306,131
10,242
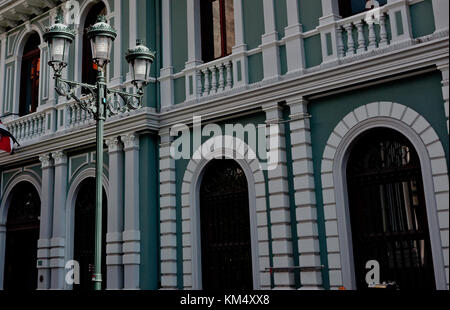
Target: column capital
297,105
114,144
46,161
274,111
60,158
130,141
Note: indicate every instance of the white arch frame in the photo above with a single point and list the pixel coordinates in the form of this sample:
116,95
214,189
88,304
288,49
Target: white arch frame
257,207
18,51
334,186
70,211
4,207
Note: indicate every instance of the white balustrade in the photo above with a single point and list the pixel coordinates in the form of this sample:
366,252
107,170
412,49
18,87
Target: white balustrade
215,77
357,34
27,127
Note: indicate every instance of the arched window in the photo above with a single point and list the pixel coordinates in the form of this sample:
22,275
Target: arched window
388,212
29,77
217,22
89,69
352,7
22,234
84,234
225,227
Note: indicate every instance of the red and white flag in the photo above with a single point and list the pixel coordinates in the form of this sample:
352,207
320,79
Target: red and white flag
7,140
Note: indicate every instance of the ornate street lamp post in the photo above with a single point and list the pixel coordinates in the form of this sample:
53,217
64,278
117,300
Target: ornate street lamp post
101,101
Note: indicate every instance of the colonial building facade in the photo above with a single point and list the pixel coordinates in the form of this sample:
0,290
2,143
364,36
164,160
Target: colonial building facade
354,92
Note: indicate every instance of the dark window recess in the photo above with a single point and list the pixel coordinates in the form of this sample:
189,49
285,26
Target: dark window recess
84,235
22,233
352,7
217,22
388,212
89,70
225,228
29,79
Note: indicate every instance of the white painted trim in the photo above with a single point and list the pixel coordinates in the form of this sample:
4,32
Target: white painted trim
428,147
70,211
191,212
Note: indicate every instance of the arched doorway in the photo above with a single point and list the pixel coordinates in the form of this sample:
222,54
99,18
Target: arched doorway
225,227
387,210
22,234
84,234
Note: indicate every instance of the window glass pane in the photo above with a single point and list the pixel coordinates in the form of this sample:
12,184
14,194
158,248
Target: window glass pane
229,25
216,29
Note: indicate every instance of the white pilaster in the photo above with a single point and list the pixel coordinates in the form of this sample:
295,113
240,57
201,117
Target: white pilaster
46,222
293,38
133,28
78,71
240,63
2,252
328,30
443,67
166,79
168,218
192,80
117,78
441,17
305,199
115,216
269,45
279,200
131,234
57,243
2,70
400,21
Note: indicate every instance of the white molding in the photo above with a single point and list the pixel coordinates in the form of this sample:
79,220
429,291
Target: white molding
428,147
441,15
191,208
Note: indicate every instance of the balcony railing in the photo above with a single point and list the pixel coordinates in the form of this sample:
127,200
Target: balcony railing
363,32
215,77
28,127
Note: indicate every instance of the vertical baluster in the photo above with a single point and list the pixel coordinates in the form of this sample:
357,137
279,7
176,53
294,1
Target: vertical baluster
84,116
372,37
72,115
383,31
221,78
198,77
229,84
213,79
361,40
28,128
78,115
206,82
33,126
350,42
340,42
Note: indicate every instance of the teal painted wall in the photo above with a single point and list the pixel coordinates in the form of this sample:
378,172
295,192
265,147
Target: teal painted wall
255,68
280,17
149,212
422,18
179,86
313,51
179,35
310,12
283,60
328,112
253,22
